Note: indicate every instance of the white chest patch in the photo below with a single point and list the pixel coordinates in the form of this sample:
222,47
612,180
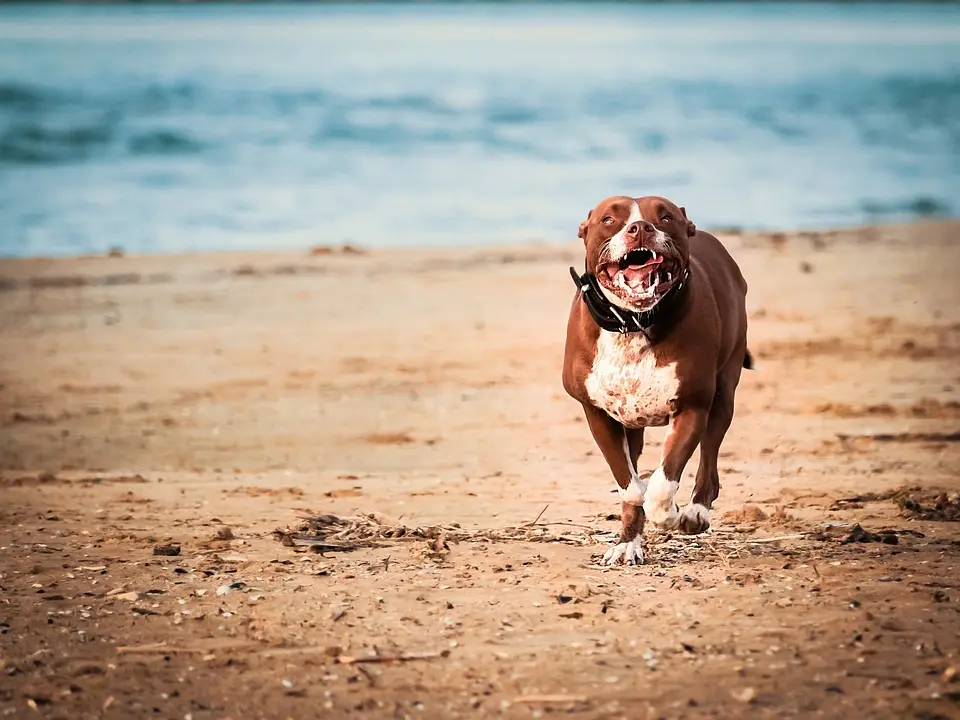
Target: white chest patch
626,382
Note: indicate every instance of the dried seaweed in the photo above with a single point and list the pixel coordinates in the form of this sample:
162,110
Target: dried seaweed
332,533
913,502
943,507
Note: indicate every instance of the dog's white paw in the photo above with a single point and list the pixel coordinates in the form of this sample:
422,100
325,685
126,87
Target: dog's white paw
664,518
694,519
628,553
659,505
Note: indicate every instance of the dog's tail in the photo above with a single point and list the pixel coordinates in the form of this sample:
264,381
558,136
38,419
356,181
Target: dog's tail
748,360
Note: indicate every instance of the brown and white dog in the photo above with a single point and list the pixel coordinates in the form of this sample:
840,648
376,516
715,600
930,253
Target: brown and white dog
657,336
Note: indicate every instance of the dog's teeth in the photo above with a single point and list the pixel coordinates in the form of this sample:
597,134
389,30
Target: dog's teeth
652,253
669,277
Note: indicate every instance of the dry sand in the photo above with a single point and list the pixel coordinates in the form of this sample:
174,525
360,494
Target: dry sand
161,400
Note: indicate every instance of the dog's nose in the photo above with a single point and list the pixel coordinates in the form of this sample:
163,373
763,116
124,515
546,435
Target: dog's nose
638,229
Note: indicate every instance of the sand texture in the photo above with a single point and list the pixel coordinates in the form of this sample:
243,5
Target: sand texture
196,404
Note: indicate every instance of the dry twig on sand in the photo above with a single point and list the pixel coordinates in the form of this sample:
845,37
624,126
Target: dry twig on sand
159,647
535,699
401,657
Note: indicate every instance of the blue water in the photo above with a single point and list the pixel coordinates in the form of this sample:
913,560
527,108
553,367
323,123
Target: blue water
227,127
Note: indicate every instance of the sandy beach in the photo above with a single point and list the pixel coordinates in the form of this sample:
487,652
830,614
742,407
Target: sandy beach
197,403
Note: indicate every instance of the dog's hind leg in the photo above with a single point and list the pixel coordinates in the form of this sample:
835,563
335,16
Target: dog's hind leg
695,516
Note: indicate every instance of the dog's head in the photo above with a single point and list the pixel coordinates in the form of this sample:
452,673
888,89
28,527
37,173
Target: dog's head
639,248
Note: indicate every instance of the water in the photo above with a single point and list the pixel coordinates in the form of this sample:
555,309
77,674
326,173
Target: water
227,127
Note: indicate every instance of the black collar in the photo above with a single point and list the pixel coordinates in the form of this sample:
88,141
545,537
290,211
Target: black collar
615,319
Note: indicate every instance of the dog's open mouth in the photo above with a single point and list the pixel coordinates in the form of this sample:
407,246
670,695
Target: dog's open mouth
641,277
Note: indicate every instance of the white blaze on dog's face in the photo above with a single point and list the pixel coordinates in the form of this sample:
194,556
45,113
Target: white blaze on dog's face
637,247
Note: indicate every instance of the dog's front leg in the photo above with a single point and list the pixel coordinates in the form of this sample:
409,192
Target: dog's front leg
614,442
683,436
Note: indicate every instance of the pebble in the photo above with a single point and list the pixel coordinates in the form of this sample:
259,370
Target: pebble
747,695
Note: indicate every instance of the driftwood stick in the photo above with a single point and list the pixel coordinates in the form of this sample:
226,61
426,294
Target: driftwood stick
540,515
533,699
402,657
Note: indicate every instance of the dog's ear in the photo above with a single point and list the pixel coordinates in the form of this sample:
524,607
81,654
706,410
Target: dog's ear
691,228
582,230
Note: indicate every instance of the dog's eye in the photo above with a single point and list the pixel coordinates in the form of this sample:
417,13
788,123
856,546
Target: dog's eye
665,219
608,220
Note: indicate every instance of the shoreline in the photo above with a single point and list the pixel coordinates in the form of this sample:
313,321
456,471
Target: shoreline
732,237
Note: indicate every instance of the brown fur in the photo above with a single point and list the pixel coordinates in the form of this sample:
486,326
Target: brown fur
706,338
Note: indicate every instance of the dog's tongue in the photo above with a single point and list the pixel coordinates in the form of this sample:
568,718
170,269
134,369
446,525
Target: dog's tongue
635,275
639,275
